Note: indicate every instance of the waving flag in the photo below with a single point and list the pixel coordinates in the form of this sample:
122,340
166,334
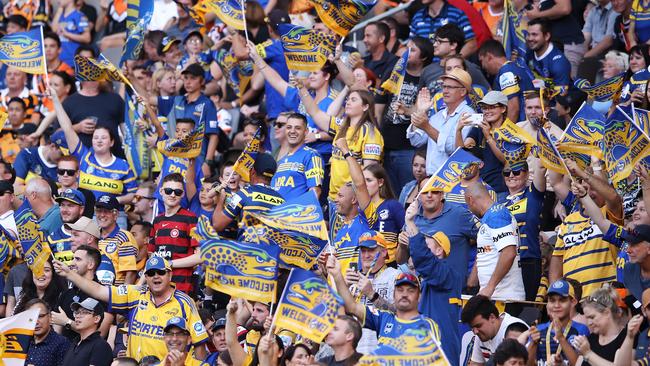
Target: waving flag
16,333
308,306
394,83
514,36
237,73
413,347
605,90
624,144
89,69
228,11
342,15
584,133
246,160
7,251
24,51
134,142
36,250
450,173
138,10
514,142
134,40
187,147
549,154
305,49
243,270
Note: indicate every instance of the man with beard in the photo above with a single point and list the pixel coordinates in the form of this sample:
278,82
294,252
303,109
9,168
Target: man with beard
86,261
261,311
71,204
544,59
387,324
150,308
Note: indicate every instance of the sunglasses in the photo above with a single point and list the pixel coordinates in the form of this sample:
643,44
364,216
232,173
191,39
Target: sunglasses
69,172
516,173
169,191
137,198
154,272
279,124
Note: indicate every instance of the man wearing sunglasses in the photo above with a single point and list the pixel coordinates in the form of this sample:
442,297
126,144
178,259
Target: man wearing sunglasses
67,173
150,308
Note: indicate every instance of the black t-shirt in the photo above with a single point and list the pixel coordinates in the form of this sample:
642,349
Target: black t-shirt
108,108
564,30
492,166
66,299
382,67
620,30
350,361
393,127
607,351
93,350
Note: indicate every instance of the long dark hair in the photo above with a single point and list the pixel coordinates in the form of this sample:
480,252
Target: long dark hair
368,115
378,171
51,296
291,350
256,358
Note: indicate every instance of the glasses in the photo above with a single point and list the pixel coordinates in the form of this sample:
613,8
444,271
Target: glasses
516,173
176,192
452,87
279,124
440,40
137,198
176,334
155,272
80,312
69,172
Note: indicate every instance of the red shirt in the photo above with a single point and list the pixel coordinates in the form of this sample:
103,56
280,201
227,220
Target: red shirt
170,239
481,30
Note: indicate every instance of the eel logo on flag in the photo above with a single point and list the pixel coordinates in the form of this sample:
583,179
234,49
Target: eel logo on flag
15,335
603,91
342,15
228,11
414,347
24,51
305,49
450,173
35,248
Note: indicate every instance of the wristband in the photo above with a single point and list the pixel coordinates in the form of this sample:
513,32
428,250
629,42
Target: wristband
347,155
317,136
583,196
374,297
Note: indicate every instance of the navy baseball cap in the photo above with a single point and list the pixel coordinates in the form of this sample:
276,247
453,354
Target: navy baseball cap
177,322
265,165
408,279
72,195
641,233
156,262
58,138
220,323
194,70
562,288
108,202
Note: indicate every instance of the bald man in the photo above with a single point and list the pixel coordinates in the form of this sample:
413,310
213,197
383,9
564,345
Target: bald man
39,195
497,257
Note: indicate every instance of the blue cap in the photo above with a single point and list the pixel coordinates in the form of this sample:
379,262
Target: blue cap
177,322
108,202
58,138
372,239
407,278
156,262
72,195
562,288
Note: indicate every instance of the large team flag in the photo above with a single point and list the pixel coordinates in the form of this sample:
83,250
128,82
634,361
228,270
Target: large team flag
413,347
135,147
603,91
246,159
305,49
296,226
514,142
584,134
394,83
450,173
549,154
342,15
308,306
36,251
237,73
188,147
101,69
24,51
228,11
245,270
7,250
624,144
16,333
514,36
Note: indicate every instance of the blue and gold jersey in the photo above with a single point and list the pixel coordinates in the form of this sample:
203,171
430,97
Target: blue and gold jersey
526,207
116,178
148,320
552,66
512,80
61,245
31,163
388,326
638,80
298,172
120,246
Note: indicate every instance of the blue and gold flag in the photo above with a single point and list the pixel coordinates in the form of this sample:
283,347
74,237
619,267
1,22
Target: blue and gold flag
624,144
101,69
342,15
393,84
237,73
548,154
514,36
605,90
514,142
134,40
16,332
308,306
584,134
243,270
450,173
246,160
36,250
228,11
188,147
138,10
135,147
24,51
305,49
413,347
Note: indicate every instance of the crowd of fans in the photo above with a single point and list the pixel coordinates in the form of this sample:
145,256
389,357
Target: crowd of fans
515,265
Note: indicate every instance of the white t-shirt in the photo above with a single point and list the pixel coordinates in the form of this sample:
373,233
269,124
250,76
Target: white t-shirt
8,222
483,350
163,11
499,230
384,285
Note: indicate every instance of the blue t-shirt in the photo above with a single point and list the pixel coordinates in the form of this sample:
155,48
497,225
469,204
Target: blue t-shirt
387,325
292,102
638,79
513,80
423,25
30,162
553,66
271,51
202,110
526,207
76,23
298,172
575,329
204,59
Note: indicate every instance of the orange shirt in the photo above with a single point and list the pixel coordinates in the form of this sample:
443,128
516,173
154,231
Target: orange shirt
492,20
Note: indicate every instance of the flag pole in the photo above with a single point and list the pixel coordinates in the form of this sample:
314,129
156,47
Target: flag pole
243,15
47,76
275,316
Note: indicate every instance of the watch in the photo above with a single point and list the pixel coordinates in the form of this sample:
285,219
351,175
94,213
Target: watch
374,297
347,155
68,324
317,136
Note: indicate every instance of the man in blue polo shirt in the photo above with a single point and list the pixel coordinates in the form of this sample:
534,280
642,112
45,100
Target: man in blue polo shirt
435,14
